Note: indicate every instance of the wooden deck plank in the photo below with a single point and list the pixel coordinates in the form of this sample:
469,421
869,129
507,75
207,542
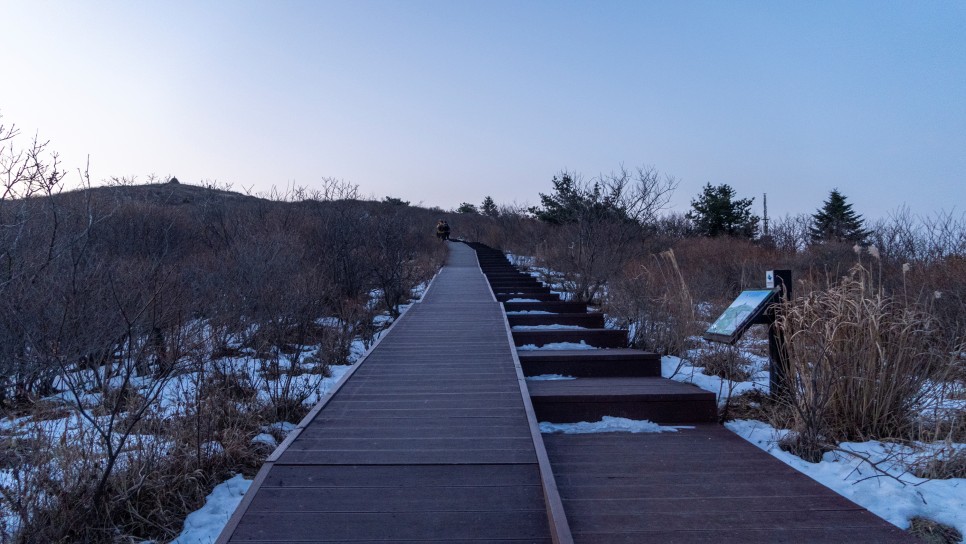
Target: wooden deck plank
781,503
414,432
446,539
480,456
415,413
381,476
411,444
402,499
390,526
685,520
732,535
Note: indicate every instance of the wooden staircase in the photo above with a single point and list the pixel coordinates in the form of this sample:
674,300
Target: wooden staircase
611,380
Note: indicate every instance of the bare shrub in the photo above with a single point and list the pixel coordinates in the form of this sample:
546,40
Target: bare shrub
651,299
725,362
860,362
905,237
717,269
399,257
598,225
791,233
949,462
163,472
587,255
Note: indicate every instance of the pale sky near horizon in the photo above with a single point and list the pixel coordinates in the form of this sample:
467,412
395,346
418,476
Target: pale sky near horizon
440,102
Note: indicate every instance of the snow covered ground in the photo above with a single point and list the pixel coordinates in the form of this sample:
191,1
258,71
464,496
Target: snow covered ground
556,346
547,328
888,490
609,424
205,524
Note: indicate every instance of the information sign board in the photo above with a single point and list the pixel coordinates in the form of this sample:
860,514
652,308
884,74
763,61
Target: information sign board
740,315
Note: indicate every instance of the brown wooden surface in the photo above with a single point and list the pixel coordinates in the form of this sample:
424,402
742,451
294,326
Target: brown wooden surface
600,338
428,441
620,362
510,294
704,484
590,320
591,367
589,399
553,307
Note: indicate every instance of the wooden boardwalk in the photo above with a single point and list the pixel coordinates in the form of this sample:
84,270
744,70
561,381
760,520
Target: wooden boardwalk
701,484
429,439
433,438
704,484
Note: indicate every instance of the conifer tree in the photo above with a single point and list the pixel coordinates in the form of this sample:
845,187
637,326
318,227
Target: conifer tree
466,207
488,207
718,213
837,222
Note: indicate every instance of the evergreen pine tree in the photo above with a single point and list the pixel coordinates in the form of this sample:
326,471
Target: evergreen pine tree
466,207
488,207
837,222
717,212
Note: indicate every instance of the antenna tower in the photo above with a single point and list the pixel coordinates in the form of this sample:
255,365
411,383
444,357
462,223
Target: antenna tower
764,201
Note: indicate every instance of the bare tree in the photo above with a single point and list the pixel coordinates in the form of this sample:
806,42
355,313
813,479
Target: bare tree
791,233
600,224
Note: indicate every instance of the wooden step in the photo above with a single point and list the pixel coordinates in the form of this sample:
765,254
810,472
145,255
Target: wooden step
497,269
521,290
586,363
515,284
542,297
599,338
589,399
509,276
562,307
594,320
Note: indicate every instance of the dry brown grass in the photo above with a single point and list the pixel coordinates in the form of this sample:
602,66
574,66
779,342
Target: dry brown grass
724,361
860,362
651,298
948,463
933,532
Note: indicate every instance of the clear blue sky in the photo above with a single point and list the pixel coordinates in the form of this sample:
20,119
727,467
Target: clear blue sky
447,101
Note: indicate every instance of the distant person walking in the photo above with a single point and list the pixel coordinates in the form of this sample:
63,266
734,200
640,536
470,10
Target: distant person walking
442,230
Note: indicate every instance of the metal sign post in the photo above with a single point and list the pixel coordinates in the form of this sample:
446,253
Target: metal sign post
777,354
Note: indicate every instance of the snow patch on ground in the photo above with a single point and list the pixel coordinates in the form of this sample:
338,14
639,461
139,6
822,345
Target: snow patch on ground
547,328
680,370
265,438
896,496
205,524
549,377
524,300
609,424
523,312
556,346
